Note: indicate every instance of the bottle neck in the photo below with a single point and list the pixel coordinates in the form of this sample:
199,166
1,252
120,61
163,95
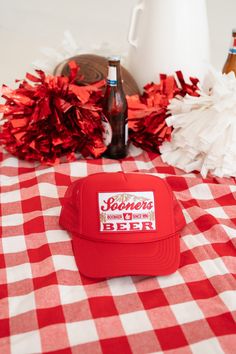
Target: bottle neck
114,76
232,49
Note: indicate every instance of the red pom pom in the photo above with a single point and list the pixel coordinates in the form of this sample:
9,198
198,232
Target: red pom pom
148,113
52,117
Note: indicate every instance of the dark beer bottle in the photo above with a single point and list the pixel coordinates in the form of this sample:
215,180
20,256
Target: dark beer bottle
116,110
230,64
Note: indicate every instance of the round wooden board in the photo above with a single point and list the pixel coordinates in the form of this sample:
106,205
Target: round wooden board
94,68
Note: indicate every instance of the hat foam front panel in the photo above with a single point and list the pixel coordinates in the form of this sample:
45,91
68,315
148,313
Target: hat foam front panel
123,206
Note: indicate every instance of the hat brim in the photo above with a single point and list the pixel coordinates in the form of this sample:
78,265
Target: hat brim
105,259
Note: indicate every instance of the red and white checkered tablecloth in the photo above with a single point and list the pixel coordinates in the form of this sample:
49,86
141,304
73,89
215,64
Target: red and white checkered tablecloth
46,306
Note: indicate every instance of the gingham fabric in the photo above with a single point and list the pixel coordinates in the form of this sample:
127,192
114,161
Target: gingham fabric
46,306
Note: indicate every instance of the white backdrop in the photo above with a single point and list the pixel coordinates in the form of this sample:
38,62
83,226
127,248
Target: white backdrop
27,25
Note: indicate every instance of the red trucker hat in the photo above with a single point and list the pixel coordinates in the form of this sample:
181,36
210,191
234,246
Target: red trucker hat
123,224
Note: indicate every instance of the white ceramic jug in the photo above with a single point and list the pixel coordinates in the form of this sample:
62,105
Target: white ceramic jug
168,35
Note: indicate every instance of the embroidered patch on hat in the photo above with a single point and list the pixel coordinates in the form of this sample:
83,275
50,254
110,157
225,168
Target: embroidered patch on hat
127,211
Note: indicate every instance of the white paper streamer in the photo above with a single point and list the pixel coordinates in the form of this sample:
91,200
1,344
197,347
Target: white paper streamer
68,48
204,135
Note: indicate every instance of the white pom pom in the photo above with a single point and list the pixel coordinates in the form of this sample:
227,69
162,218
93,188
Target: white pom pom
204,134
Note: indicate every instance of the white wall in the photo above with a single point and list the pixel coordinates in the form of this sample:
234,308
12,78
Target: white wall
222,19
27,25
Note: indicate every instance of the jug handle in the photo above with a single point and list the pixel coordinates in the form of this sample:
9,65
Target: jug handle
136,9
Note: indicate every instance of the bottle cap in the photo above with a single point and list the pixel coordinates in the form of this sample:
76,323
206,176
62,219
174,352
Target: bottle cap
114,58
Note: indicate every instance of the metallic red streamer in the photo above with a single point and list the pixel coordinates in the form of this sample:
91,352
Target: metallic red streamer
51,118
48,117
148,113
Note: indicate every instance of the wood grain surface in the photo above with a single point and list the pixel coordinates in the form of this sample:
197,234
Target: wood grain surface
94,68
